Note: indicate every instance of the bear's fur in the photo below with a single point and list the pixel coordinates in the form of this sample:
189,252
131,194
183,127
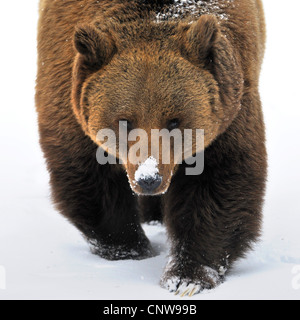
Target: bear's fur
151,62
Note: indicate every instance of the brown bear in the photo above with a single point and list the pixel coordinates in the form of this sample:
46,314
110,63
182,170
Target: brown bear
156,65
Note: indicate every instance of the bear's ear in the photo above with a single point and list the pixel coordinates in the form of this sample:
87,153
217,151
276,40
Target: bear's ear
200,38
95,46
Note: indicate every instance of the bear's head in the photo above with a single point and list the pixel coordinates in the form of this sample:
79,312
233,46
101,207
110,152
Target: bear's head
146,75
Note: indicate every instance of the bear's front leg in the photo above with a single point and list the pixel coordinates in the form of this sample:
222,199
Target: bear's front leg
212,220
116,233
98,200
198,260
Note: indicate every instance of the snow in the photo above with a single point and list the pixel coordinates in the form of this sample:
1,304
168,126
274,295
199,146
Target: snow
44,257
147,169
194,8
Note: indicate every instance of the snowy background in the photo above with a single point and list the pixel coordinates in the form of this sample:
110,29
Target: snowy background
46,258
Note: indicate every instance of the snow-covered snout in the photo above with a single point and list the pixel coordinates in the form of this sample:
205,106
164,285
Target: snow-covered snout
149,177
147,169
151,160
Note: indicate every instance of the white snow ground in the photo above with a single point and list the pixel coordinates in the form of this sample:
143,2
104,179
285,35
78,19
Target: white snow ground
44,257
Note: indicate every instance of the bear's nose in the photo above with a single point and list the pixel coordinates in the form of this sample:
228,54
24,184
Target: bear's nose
150,184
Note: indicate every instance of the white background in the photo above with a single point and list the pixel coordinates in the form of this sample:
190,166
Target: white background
46,258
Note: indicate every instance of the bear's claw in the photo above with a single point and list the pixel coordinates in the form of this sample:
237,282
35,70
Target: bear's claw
185,287
189,290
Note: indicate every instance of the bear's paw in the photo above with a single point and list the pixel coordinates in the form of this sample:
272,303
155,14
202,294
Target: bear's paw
122,252
207,279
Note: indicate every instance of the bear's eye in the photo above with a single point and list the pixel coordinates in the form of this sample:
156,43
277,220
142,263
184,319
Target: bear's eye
126,124
173,124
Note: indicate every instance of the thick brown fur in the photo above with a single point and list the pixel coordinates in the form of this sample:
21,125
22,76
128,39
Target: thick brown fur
103,61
